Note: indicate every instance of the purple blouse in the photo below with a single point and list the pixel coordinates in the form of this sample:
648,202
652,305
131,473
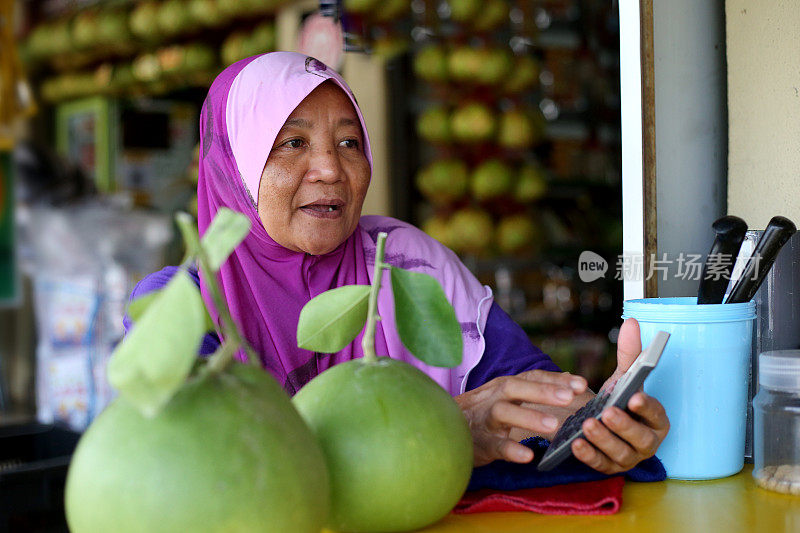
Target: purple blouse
508,350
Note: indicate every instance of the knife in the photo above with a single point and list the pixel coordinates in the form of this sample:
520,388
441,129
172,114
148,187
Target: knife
730,234
778,231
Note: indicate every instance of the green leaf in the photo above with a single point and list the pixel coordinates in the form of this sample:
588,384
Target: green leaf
138,306
332,320
155,358
226,231
426,322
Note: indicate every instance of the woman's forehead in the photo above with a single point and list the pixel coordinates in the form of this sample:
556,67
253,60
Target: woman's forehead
328,97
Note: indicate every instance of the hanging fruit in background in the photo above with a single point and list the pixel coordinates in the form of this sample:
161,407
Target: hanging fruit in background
471,231
112,27
473,122
518,233
207,13
531,183
464,10
495,64
262,39
523,75
389,46
198,57
233,48
391,9
360,7
85,29
438,227
464,63
519,129
147,67
434,125
494,13
491,179
430,64
144,21
174,17
444,181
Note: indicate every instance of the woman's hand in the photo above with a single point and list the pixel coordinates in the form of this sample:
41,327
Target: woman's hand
497,418
505,410
622,440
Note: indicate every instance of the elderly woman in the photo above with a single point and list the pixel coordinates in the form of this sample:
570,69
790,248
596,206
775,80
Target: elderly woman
283,142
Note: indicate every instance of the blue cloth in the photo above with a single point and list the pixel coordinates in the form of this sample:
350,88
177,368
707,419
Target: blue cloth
503,475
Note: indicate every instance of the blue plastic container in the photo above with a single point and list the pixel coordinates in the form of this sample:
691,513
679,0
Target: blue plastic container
701,380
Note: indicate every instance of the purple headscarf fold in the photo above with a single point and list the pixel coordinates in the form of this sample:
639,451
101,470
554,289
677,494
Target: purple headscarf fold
266,285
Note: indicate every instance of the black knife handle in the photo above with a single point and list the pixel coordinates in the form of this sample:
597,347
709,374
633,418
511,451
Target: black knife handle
730,234
779,230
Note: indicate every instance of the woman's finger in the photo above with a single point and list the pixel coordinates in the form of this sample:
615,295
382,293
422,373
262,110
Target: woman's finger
518,389
509,450
613,447
564,379
650,411
640,436
504,414
589,455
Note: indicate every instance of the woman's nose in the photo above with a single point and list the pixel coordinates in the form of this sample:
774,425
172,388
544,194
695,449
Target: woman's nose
324,165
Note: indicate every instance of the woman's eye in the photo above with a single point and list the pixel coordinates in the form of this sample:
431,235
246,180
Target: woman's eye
294,143
350,143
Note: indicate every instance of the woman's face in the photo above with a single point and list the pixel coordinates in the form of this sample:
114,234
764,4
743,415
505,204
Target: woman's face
316,176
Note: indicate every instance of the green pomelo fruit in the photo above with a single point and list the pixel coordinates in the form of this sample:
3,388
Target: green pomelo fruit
471,230
491,179
174,17
523,75
531,184
206,12
496,63
517,233
391,10
144,20
493,14
233,47
465,62
430,64
518,129
473,122
85,29
360,6
227,453
434,125
444,181
438,227
464,10
398,447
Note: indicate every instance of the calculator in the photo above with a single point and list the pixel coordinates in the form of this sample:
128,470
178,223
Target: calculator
617,396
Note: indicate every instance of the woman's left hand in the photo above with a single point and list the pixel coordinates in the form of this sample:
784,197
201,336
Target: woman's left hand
623,440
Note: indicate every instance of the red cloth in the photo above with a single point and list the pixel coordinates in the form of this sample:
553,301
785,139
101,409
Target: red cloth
590,497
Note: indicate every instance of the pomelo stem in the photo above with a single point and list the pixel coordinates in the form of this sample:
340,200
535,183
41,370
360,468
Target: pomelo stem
368,341
229,332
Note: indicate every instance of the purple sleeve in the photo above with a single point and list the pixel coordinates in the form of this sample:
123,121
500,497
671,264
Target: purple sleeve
508,351
158,280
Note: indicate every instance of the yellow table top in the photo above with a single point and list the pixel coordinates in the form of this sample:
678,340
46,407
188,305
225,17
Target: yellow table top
729,505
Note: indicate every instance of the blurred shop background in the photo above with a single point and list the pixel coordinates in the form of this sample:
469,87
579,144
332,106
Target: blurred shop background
495,126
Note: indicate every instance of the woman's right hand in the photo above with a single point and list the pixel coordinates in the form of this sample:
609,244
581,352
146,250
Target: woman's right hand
498,420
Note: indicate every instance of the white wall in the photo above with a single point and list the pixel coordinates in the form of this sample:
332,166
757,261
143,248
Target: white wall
764,109
691,129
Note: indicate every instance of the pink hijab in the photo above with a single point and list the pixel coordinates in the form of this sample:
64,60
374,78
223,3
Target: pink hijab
265,284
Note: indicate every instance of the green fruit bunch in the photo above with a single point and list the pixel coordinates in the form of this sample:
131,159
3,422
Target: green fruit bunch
444,181
433,125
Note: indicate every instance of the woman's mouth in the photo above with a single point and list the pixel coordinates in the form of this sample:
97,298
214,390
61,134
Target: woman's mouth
323,210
